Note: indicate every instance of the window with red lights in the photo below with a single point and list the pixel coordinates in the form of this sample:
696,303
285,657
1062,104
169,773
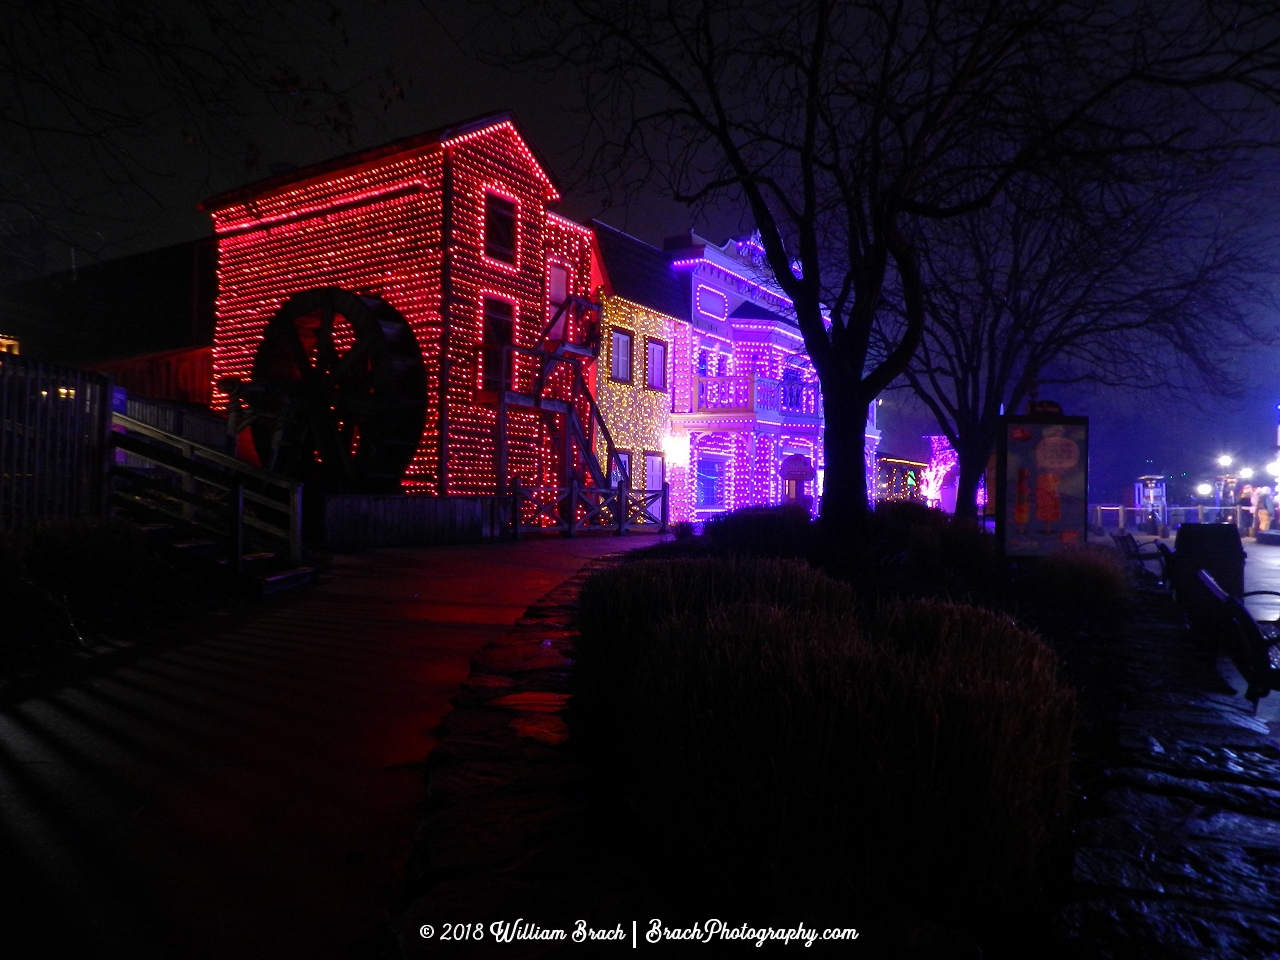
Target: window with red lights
558,285
499,228
499,325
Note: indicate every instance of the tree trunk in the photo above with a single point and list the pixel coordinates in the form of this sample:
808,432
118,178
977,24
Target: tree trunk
844,494
973,463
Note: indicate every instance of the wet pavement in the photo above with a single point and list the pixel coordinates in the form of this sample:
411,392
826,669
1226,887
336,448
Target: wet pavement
1178,854
252,792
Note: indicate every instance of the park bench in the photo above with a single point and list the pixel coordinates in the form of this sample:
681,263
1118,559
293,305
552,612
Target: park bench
1251,644
1131,550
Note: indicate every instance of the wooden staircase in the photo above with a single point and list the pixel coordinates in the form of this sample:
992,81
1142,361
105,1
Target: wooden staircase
573,438
209,508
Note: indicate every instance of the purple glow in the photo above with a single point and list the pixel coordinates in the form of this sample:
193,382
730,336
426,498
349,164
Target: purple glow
942,459
692,262
711,302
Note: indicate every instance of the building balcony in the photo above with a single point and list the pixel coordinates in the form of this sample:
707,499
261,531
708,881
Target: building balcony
754,399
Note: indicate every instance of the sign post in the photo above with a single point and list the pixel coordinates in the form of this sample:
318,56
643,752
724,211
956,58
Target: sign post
1042,484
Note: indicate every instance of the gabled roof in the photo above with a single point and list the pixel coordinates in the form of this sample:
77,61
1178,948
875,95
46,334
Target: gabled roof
749,310
641,273
440,136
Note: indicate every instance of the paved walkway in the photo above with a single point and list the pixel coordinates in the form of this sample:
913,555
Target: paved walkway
253,793
1178,851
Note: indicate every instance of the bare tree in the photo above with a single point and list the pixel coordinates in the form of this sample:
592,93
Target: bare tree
846,128
1144,289
105,100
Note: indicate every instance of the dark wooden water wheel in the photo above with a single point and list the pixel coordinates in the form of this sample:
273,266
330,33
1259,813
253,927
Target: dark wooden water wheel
338,392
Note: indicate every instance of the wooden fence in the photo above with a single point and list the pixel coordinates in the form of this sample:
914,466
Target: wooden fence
574,509
354,521
54,423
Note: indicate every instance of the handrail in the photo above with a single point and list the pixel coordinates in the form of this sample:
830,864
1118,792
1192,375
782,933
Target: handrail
193,461
1126,517
206,453
582,305
751,393
579,386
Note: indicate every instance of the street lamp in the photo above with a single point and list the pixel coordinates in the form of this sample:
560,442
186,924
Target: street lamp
1273,468
1204,489
1246,473
1224,460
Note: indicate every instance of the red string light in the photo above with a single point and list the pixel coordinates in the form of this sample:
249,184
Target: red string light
378,228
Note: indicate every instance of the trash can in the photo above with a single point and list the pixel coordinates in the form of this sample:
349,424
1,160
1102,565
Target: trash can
1214,547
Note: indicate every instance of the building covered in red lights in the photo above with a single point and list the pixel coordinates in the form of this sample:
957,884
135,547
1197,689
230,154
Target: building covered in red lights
415,318
448,234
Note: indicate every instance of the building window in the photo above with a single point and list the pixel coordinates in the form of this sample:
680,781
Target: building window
655,376
709,489
499,324
620,472
557,294
620,356
499,228
654,470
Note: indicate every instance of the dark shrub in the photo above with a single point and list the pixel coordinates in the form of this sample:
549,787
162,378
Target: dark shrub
783,746
86,555
762,532
893,519
1086,577
13,556
69,581
37,625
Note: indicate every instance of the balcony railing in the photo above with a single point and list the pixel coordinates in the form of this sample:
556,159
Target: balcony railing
759,395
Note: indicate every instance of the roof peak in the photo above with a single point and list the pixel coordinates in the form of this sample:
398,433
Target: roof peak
440,135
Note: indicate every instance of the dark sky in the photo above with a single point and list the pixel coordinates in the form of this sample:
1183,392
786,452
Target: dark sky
429,45
430,52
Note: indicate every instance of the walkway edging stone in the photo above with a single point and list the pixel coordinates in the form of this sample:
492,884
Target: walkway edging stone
501,837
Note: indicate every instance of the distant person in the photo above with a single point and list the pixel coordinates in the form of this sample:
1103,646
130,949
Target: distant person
1263,510
1245,503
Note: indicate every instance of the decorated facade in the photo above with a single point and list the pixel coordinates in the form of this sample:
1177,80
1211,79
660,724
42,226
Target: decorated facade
750,413
415,318
372,311
644,313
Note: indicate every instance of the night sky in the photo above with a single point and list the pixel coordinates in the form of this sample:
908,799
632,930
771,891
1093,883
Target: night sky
430,46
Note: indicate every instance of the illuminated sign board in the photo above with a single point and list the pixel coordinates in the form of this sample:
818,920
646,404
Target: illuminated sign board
1043,484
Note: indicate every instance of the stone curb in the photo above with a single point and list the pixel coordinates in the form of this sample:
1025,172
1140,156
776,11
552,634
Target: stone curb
501,838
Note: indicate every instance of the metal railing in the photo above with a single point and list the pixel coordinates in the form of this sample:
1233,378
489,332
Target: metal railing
575,508
748,393
1114,516
207,429
220,495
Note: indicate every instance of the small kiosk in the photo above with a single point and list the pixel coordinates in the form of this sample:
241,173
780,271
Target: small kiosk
1149,498
797,472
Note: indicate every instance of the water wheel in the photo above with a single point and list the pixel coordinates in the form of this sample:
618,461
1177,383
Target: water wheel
338,394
